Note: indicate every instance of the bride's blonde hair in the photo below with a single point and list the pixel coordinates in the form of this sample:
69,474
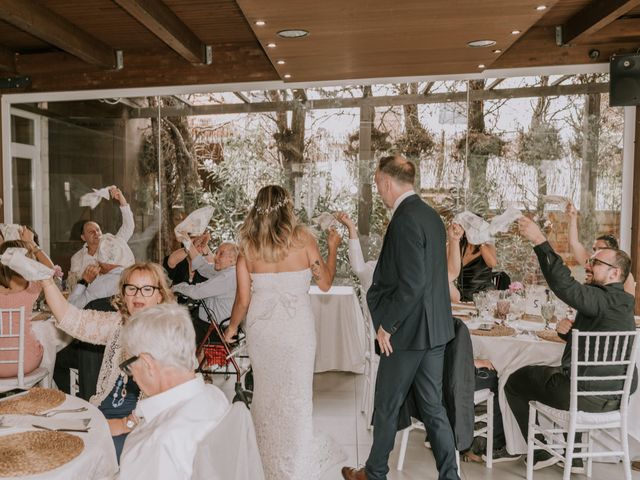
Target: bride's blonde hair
271,227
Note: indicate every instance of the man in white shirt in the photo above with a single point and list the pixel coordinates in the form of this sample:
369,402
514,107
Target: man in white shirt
179,409
102,280
219,291
91,234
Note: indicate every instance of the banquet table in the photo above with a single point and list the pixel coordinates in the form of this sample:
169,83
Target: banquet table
98,458
508,354
340,331
52,340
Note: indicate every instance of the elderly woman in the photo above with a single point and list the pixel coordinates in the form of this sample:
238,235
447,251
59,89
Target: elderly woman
142,285
17,292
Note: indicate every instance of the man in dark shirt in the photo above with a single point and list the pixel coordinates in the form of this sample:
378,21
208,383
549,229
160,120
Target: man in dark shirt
601,306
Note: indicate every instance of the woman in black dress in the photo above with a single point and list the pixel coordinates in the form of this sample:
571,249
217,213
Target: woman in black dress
477,264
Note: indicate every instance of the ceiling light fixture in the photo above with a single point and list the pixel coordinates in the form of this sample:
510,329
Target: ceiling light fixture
260,23
293,33
481,65
271,45
515,32
287,75
540,8
481,43
281,62
497,50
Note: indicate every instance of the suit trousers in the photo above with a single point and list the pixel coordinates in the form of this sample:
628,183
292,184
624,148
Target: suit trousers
551,386
422,369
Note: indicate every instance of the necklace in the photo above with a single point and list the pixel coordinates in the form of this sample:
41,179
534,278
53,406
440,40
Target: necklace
120,391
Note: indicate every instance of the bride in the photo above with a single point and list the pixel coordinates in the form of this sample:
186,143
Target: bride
277,259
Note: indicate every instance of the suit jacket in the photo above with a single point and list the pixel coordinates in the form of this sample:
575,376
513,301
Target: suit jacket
458,389
409,295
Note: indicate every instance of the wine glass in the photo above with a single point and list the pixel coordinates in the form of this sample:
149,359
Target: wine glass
547,310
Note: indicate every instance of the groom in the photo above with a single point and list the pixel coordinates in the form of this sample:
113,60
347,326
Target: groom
411,312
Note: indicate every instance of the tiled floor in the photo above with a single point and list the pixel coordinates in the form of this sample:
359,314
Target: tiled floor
337,411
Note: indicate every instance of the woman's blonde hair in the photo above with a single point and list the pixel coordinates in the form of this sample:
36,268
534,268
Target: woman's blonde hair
156,271
271,227
7,273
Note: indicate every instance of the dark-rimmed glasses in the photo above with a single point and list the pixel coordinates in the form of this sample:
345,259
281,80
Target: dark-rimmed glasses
146,290
126,365
593,261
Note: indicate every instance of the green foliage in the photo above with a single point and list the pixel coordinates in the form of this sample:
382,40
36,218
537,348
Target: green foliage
541,142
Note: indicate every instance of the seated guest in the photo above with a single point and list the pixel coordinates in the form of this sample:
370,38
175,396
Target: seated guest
179,409
476,268
101,280
142,285
16,292
602,305
581,254
91,234
218,291
179,263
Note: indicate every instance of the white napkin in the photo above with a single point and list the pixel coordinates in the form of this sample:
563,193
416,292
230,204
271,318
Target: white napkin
556,200
31,270
114,251
195,223
325,221
92,199
479,231
10,231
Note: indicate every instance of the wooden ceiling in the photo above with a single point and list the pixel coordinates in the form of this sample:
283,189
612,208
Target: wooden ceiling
101,44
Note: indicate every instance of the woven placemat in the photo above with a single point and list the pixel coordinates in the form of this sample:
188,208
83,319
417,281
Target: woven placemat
532,318
497,331
550,335
36,400
28,453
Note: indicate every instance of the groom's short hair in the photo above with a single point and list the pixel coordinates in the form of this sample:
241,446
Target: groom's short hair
398,168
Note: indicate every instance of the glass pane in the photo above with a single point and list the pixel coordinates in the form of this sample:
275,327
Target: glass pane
22,191
22,130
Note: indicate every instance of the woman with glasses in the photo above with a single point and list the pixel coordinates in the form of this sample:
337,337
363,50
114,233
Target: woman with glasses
142,285
581,254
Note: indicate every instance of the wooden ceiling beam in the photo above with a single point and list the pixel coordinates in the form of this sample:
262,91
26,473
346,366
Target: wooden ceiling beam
7,60
41,22
594,18
164,24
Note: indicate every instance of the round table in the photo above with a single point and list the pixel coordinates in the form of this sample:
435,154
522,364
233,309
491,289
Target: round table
97,460
52,340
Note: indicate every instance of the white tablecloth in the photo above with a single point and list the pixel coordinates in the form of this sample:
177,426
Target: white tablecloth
97,460
508,354
339,330
52,340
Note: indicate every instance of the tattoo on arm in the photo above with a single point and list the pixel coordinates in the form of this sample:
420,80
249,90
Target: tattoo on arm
315,270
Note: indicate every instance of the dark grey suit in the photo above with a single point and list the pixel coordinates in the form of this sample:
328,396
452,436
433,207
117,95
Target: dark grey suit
409,298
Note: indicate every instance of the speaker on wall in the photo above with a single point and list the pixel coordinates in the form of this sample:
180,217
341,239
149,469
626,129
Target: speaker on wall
624,81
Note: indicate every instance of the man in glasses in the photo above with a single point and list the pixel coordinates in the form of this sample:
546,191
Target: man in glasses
602,305
178,410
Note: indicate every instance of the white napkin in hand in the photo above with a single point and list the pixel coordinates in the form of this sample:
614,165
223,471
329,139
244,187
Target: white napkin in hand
479,231
325,221
92,199
31,270
10,231
195,223
556,200
502,222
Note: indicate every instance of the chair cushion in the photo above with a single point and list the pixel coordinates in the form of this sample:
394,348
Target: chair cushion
561,417
29,380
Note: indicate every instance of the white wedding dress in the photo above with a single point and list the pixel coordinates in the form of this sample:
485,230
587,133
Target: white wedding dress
282,343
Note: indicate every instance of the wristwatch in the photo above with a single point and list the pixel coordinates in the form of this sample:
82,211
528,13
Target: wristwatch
130,424
82,281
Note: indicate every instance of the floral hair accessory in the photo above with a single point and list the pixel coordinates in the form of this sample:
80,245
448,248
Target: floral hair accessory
273,208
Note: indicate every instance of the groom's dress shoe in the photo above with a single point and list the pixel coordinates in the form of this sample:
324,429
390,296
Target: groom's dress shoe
349,473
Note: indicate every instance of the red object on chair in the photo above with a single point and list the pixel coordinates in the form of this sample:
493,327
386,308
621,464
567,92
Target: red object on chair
215,354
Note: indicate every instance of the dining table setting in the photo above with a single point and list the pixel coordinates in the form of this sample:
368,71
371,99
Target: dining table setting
45,433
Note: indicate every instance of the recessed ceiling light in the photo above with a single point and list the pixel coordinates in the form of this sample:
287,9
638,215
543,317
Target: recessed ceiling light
481,65
541,8
271,45
481,43
497,50
260,23
293,33
515,32
287,75
281,62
